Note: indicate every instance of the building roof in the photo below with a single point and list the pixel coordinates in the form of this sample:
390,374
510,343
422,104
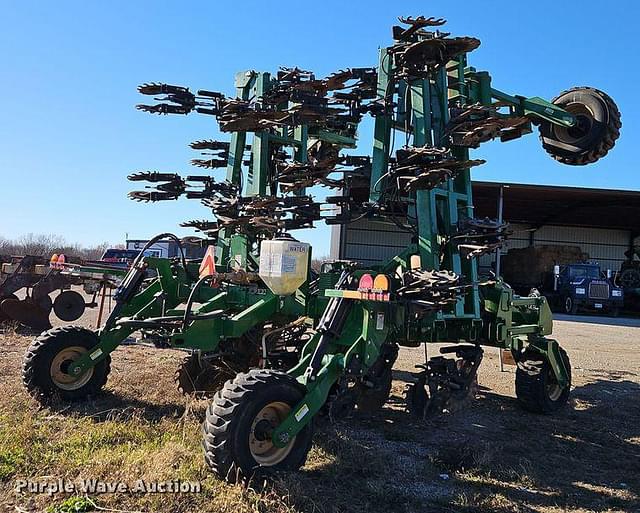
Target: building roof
541,205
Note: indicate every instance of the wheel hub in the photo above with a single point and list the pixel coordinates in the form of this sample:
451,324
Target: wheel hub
262,448
630,278
553,388
568,305
59,370
582,128
263,430
554,391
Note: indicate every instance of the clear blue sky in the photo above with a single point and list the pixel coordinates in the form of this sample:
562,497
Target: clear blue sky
69,133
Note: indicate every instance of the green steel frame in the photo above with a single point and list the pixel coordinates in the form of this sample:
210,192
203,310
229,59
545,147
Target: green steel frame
245,307
488,314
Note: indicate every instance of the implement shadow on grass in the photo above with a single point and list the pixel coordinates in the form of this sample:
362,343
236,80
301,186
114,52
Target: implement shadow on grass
499,457
109,406
585,456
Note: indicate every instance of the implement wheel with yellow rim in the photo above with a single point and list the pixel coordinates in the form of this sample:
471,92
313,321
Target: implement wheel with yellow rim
45,368
240,421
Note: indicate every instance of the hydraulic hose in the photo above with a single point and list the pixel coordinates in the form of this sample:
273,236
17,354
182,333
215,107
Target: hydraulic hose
330,326
134,278
156,239
192,295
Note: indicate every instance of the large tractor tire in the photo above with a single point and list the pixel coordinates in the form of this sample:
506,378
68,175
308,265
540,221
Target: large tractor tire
239,422
537,388
44,367
594,135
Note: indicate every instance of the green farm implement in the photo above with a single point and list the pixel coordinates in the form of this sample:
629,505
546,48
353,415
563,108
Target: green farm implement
279,344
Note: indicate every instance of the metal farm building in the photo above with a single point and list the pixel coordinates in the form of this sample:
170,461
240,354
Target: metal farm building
603,223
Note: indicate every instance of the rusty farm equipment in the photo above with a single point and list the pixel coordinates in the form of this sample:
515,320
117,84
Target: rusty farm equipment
37,278
289,344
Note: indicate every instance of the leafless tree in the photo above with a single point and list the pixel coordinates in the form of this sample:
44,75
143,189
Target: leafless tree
316,263
47,245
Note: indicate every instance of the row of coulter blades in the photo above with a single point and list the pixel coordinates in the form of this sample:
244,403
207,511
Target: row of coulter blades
295,98
413,168
249,214
339,101
431,290
274,214
336,103
323,160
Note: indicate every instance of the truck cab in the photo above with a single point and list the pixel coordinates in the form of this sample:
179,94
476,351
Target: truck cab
119,257
584,287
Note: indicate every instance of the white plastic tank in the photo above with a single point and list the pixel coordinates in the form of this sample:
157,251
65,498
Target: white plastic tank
284,264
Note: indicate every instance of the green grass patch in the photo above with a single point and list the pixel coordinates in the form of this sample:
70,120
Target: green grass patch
72,505
10,461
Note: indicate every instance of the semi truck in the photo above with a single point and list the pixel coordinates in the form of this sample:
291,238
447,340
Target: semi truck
583,287
565,276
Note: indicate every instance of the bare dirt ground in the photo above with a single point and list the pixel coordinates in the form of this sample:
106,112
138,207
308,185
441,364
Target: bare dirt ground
491,457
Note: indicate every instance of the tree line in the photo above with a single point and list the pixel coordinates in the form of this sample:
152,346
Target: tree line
46,245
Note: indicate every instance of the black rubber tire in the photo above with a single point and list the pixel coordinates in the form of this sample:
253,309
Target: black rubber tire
69,305
532,377
36,375
228,421
196,376
416,397
630,278
371,400
569,306
599,128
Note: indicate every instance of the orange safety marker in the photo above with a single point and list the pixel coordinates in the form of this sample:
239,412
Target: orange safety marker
381,282
208,264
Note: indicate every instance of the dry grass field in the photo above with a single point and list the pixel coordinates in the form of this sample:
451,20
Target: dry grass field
491,457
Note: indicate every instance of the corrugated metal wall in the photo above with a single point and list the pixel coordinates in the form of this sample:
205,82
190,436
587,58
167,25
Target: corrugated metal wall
606,247
369,242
